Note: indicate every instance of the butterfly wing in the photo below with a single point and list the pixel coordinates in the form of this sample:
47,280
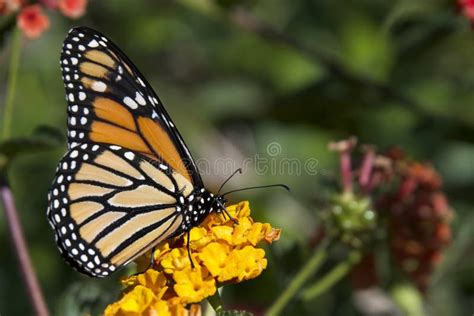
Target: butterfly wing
110,101
119,190
108,205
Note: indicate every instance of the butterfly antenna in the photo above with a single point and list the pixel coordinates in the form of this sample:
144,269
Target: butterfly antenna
227,180
259,187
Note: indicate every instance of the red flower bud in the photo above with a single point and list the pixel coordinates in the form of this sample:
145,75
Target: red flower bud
73,8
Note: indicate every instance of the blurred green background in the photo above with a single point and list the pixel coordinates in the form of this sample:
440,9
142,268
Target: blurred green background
390,72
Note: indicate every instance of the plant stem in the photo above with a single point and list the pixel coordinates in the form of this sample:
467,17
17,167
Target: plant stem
345,148
12,79
29,276
316,260
346,171
216,302
332,277
367,168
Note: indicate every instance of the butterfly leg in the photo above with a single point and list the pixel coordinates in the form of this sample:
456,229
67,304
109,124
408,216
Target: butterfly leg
152,259
151,264
228,215
189,250
231,218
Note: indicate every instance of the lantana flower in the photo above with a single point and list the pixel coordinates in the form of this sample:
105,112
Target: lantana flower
222,251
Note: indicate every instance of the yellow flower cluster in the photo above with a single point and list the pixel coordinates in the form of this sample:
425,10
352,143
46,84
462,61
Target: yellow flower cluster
222,251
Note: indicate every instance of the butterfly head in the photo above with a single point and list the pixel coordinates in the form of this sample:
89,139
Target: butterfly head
213,203
219,203
198,205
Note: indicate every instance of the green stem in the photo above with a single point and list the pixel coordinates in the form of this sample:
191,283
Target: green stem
216,302
311,266
12,79
332,277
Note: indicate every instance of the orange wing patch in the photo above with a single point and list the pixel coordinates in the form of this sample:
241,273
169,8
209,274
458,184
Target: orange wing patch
100,57
93,70
111,111
157,137
111,134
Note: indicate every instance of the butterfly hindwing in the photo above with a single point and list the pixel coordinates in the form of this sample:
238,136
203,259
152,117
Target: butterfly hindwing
108,205
109,101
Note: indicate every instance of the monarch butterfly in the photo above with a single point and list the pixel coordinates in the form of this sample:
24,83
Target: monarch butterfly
128,180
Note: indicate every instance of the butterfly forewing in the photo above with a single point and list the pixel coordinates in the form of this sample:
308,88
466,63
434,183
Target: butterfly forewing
108,205
109,101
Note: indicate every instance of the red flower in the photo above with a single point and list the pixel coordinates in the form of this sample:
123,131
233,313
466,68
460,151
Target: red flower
419,215
467,8
32,21
73,8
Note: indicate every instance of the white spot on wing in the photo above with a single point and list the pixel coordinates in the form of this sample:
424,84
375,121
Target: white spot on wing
140,99
141,81
99,86
93,43
130,103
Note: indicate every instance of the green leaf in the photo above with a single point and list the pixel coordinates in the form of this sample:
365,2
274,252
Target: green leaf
408,9
43,138
367,51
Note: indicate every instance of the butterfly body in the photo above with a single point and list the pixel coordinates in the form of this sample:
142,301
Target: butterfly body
128,181
196,207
